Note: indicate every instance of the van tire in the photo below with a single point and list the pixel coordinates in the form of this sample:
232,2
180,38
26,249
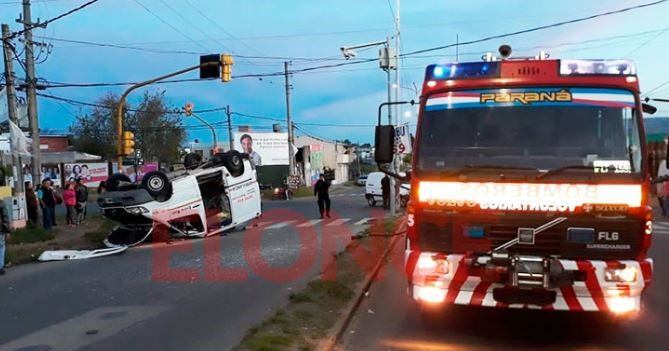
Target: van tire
234,163
157,185
113,182
371,201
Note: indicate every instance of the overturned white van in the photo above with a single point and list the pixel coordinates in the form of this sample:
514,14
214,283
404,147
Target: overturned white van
203,200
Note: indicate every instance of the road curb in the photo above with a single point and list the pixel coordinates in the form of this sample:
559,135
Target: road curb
340,328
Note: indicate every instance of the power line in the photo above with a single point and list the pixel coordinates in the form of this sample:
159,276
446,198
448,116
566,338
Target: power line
534,29
169,25
45,23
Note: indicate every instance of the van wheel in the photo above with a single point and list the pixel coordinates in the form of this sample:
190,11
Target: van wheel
158,185
234,163
115,180
371,202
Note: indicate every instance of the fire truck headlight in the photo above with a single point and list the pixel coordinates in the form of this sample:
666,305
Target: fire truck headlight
620,305
625,275
431,294
433,263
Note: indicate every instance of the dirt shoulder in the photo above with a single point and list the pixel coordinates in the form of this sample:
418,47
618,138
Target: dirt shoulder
26,244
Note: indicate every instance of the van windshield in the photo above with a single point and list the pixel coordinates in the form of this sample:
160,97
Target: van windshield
595,130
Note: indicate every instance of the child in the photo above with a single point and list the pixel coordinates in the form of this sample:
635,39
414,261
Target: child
70,199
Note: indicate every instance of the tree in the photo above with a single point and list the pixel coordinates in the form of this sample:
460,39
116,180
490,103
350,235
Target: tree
95,132
158,131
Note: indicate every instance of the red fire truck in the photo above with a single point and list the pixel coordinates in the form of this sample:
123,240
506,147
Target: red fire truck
529,186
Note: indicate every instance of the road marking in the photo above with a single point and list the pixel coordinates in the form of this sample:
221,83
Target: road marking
310,223
362,221
281,225
339,221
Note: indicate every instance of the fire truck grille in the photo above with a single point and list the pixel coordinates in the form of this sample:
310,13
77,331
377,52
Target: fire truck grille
611,239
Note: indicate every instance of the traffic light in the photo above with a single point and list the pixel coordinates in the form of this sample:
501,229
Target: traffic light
128,143
213,66
226,67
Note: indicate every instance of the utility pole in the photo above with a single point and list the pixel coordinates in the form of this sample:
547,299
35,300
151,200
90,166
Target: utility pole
291,160
31,92
229,114
17,168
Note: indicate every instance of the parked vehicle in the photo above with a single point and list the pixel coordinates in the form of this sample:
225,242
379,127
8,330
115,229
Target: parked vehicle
282,193
362,180
374,191
203,200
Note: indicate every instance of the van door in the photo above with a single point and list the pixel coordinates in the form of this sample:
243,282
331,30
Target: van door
215,201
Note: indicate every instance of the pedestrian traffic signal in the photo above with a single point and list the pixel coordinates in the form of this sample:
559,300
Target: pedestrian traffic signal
226,67
128,143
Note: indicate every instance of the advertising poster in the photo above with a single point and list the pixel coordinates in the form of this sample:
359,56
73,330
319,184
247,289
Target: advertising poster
316,161
90,173
264,149
402,140
129,170
48,172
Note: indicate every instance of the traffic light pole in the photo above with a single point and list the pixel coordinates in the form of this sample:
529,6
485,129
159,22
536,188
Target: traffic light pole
229,114
121,105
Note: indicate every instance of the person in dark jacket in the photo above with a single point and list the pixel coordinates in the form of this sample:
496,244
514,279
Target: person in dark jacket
82,200
4,234
385,190
322,190
32,204
48,204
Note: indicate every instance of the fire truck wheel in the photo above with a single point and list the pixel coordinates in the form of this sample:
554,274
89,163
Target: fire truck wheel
234,163
192,160
158,185
113,182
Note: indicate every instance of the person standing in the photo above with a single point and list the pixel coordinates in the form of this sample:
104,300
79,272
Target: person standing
4,234
48,204
322,190
385,190
665,198
32,203
82,200
70,199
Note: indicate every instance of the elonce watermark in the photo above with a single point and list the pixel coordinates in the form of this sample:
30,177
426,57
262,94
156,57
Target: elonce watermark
335,235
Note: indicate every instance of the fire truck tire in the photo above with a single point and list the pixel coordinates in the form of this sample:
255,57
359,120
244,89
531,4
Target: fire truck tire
158,185
113,182
192,160
234,163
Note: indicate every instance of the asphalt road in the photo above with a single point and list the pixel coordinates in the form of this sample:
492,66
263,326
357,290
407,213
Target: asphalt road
387,320
182,296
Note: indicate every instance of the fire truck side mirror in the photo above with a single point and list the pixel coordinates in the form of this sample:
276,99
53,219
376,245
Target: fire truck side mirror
649,109
384,143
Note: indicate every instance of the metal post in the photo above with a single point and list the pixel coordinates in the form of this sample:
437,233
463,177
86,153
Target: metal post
213,130
18,188
232,142
121,106
291,160
31,92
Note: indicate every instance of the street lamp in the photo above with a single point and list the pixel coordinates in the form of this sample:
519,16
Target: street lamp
188,111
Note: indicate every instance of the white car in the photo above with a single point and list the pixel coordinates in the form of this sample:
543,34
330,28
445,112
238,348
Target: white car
374,190
205,199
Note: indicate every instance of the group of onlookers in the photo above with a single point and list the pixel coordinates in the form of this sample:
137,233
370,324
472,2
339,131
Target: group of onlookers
47,197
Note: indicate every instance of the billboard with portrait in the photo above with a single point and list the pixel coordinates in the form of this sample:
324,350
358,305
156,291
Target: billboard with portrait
129,170
264,149
91,174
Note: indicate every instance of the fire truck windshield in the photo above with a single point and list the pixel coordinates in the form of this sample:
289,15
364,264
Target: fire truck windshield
570,132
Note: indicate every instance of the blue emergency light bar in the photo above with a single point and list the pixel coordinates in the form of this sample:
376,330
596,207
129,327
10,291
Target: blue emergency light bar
462,70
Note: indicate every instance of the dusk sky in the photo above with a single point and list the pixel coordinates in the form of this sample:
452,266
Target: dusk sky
316,30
